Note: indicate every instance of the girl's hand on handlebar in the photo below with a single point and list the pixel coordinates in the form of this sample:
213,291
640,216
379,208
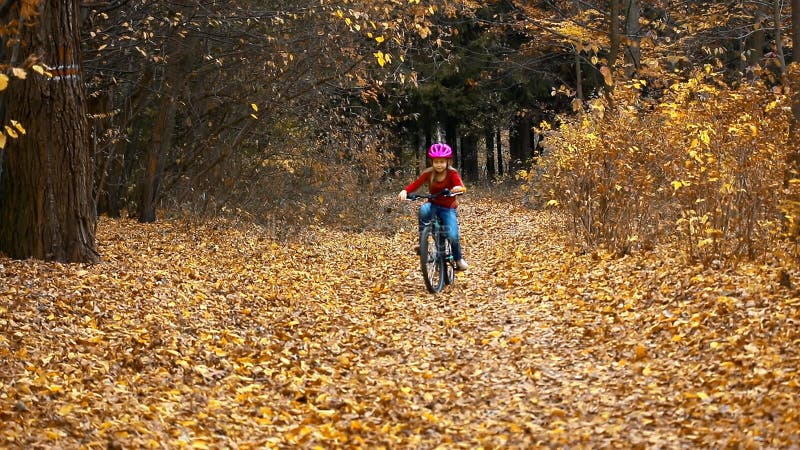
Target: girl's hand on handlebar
458,190
403,195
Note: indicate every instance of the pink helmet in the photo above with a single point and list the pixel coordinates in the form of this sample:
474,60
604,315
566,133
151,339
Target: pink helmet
440,150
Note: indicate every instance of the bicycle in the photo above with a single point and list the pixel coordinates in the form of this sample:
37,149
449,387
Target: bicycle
435,249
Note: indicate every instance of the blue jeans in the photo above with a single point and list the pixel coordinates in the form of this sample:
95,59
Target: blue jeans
449,218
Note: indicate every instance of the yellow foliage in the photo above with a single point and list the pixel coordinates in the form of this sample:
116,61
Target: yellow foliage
701,152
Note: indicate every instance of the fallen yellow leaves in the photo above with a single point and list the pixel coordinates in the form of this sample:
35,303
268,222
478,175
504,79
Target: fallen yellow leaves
330,341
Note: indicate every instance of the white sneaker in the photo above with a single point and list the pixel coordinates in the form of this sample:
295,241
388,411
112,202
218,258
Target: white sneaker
461,264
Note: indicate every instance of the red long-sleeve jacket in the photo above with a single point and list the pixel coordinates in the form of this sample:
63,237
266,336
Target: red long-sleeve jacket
451,180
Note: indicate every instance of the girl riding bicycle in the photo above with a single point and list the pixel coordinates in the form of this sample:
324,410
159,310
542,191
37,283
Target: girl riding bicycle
441,176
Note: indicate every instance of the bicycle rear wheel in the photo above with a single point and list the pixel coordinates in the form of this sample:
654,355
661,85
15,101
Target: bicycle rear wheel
430,263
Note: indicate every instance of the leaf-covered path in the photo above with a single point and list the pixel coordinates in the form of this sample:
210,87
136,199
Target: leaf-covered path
222,336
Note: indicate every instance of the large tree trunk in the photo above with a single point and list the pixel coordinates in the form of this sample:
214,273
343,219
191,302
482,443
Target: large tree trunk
614,35
776,18
613,53
633,53
164,127
46,207
157,149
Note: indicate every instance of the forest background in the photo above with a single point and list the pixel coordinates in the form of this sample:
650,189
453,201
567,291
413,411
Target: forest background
648,114
201,247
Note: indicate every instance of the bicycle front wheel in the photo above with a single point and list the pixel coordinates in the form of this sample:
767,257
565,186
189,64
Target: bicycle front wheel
448,263
431,264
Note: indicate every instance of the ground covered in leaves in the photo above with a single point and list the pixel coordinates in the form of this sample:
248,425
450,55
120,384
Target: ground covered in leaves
223,335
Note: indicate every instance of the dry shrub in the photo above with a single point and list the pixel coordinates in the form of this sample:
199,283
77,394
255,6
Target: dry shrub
704,164
604,169
287,188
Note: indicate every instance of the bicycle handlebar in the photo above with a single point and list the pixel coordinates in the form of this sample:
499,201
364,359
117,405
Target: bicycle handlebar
444,193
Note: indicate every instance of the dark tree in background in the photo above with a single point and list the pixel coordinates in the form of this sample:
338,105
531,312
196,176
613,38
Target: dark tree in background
46,207
793,158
